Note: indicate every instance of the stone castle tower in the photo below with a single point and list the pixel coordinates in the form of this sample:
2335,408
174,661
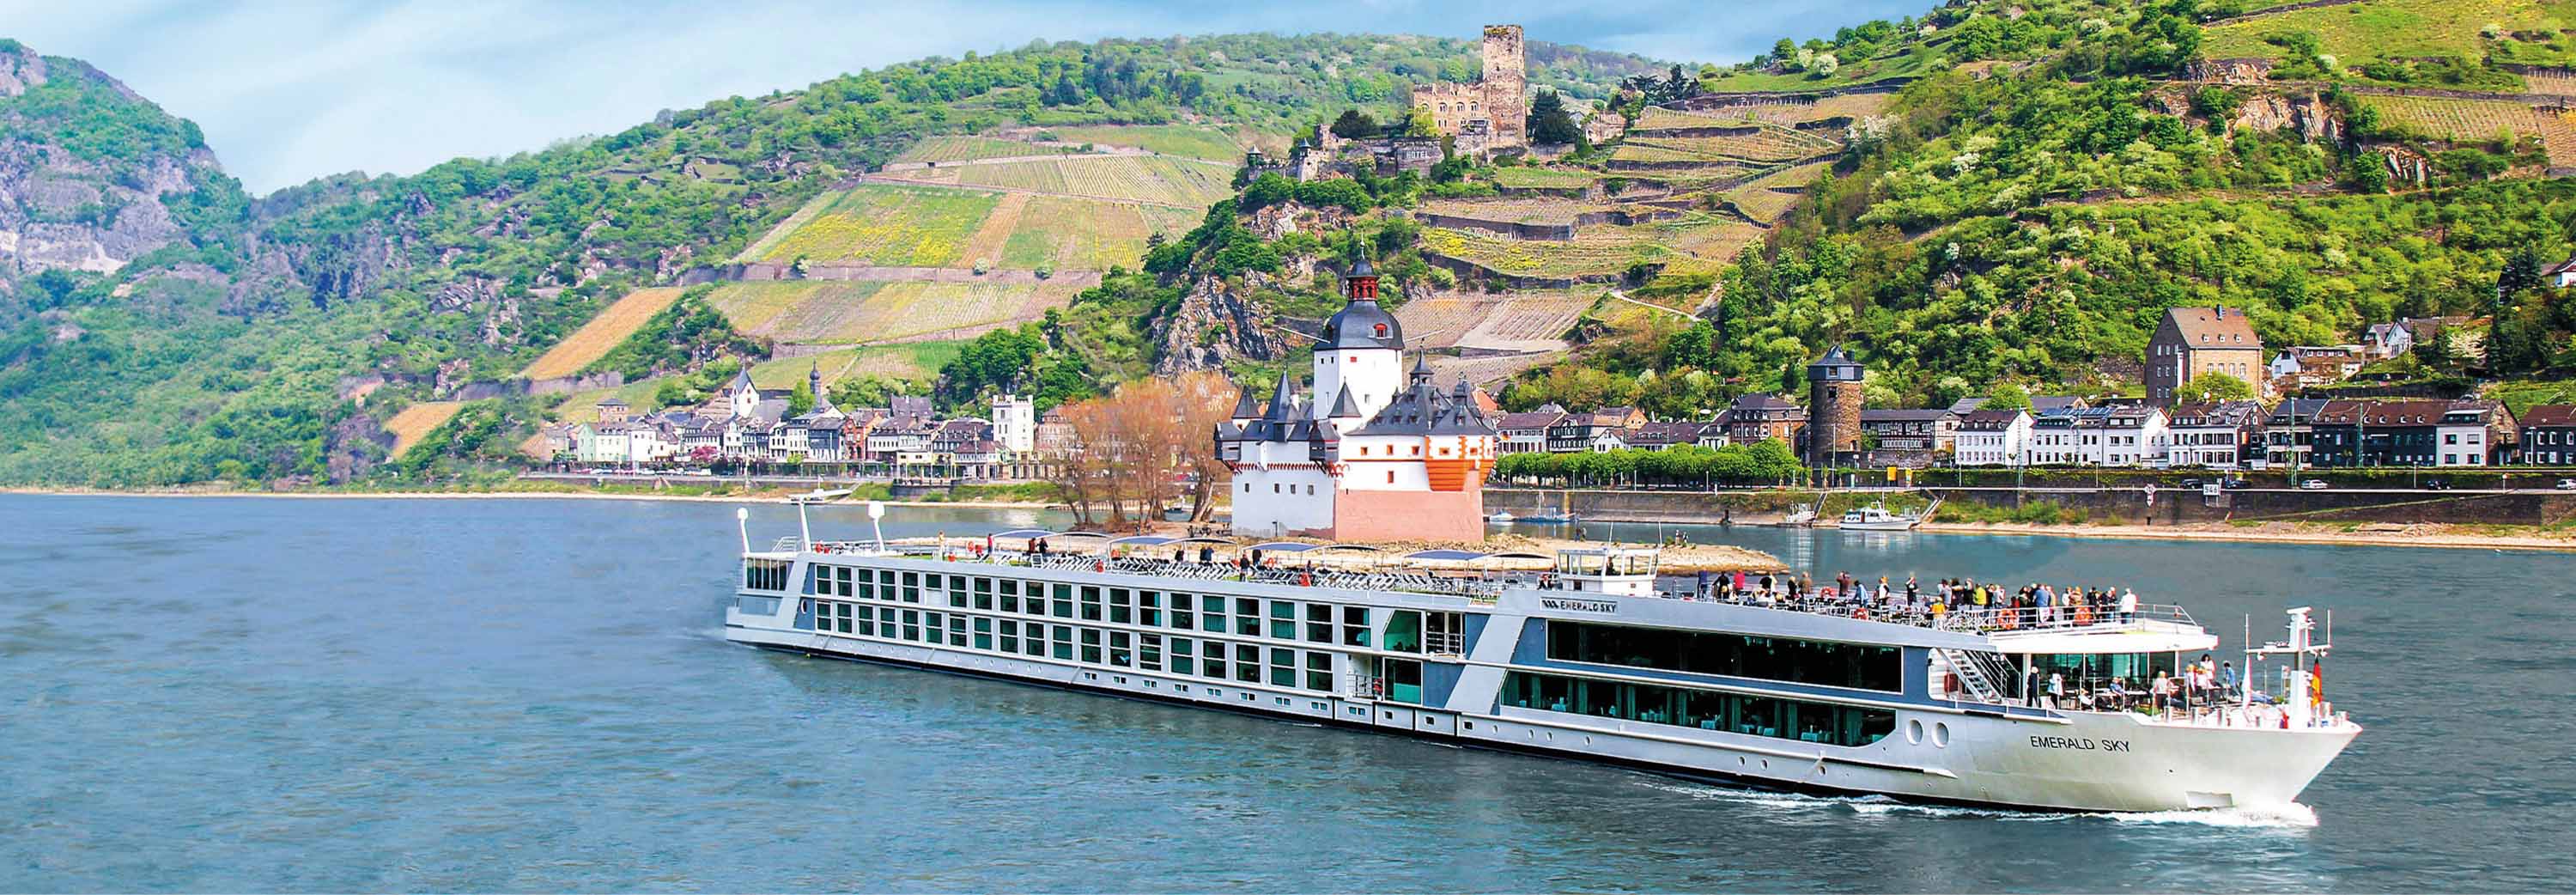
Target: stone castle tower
1833,409
1506,83
1492,113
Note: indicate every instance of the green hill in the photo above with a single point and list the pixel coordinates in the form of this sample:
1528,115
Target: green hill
212,337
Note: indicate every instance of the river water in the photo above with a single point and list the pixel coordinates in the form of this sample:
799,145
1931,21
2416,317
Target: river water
259,694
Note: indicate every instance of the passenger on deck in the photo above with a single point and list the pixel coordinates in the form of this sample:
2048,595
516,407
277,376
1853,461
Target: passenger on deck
2128,606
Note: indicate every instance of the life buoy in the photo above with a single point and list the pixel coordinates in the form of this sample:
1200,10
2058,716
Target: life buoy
1100,565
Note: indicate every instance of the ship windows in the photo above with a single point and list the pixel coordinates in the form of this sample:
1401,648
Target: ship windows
1214,653
1319,622
832,617
1319,670
833,581
1149,610
1404,631
1355,626
1182,618
912,587
1091,645
1212,614
1283,620
1010,636
1247,663
1788,719
1768,658
1121,649
1247,616
912,624
1063,602
1091,604
983,593
1182,661
1119,612
1063,642
764,574
1283,667
1149,652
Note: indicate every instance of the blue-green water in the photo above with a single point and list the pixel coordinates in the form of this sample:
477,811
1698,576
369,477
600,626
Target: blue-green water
239,694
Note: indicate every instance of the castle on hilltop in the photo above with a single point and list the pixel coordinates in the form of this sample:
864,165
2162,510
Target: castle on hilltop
1376,454
1492,113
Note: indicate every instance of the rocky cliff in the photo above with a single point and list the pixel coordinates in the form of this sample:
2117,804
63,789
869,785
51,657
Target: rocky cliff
89,171
1216,323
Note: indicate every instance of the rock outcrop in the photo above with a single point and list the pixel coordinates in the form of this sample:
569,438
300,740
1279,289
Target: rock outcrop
82,207
1215,324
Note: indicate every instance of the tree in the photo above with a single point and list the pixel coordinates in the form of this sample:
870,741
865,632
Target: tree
2007,396
2209,387
1419,124
800,399
865,390
1354,125
2521,273
1550,123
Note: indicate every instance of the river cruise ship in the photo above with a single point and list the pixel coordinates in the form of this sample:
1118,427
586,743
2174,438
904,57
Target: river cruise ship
1591,656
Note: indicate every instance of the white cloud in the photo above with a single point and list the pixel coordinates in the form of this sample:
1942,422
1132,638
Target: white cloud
291,91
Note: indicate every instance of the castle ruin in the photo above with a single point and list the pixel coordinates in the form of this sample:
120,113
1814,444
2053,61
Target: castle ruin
1492,113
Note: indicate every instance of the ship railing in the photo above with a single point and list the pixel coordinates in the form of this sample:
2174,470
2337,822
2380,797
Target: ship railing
2011,620
1479,589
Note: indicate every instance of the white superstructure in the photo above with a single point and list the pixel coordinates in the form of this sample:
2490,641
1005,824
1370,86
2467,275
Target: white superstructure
1595,657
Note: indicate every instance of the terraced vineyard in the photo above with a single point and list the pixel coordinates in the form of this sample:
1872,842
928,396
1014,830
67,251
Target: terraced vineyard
415,422
1157,179
1527,176
602,333
1781,112
2457,119
1771,145
962,149
1514,211
1185,140
1067,233
881,224
811,311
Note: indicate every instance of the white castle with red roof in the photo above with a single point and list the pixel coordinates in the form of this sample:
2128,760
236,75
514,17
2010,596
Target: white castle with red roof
1374,454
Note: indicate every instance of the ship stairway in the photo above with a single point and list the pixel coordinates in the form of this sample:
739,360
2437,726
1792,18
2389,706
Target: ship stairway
1985,674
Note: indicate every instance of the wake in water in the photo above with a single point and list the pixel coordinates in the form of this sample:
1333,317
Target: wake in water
2292,816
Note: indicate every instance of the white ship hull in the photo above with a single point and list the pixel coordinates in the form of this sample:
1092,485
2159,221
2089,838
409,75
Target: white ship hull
1939,750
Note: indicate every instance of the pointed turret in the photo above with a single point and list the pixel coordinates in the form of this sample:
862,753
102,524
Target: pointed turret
1342,406
1421,368
1283,402
1245,407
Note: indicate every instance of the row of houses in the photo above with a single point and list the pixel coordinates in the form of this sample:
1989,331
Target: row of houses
746,424
2069,431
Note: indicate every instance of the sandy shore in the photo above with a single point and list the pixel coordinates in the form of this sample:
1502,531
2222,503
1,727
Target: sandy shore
2368,535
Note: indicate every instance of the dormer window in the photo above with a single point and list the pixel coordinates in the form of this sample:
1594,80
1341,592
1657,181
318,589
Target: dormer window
1381,330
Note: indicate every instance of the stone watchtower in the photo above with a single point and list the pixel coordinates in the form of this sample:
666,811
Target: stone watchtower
1833,409
1506,85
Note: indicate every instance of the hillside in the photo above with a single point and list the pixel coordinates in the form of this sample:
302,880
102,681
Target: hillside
2026,219
157,326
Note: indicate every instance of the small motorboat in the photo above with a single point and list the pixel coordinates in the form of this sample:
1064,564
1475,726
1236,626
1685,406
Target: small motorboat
1876,517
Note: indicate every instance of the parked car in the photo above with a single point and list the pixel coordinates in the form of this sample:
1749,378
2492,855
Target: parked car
2437,484
2238,482
2191,483
2313,485
2567,484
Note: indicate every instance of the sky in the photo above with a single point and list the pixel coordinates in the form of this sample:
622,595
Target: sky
288,91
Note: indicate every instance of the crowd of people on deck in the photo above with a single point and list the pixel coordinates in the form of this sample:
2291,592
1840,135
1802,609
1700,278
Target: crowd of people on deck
1982,606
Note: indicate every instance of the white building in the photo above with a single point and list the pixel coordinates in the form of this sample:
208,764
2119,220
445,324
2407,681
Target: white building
1374,455
1015,423
1992,438
2219,435
2099,436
